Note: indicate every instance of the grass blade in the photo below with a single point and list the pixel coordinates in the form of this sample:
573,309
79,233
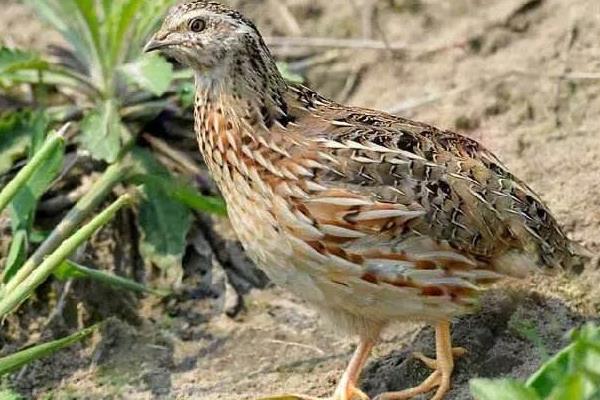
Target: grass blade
23,357
12,60
17,254
70,269
66,18
185,194
120,20
20,180
20,293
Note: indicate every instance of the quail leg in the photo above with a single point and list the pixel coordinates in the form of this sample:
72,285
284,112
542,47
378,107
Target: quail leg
346,388
443,365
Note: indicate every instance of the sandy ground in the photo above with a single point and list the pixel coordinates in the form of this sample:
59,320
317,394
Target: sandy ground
520,76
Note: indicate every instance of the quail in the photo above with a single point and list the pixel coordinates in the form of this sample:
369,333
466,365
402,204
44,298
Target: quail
369,217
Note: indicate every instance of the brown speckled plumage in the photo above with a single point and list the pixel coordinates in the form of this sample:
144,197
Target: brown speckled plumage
370,217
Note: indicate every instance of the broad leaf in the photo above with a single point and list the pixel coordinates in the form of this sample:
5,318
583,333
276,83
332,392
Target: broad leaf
551,373
151,72
164,222
573,387
10,395
573,369
102,132
15,137
571,374
12,60
501,389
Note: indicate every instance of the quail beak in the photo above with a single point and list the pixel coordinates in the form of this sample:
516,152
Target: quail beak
153,45
158,44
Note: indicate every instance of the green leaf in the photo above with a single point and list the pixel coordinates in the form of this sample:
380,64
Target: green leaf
119,22
186,92
574,371
17,254
16,132
25,201
46,77
151,72
284,70
71,270
551,373
146,23
102,132
501,389
22,210
12,60
75,21
20,180
24,357
14,296
164,222
7,394
185,194
573,387
146,170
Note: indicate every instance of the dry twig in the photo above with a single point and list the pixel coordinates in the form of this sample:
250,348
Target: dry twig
180,158
325,42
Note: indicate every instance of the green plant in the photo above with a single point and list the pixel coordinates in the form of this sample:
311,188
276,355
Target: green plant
573,373
109,91
56,261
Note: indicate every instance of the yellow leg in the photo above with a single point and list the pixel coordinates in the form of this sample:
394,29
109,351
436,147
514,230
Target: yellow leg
443,366
432,363
346,388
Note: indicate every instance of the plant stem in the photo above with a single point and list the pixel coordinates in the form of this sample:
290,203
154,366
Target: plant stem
113,280
82,79
23,357
22,291
84,207
12,188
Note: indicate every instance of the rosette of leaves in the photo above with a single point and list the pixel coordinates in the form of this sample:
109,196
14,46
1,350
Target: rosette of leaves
102,82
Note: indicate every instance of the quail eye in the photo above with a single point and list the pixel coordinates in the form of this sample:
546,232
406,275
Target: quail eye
197,25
